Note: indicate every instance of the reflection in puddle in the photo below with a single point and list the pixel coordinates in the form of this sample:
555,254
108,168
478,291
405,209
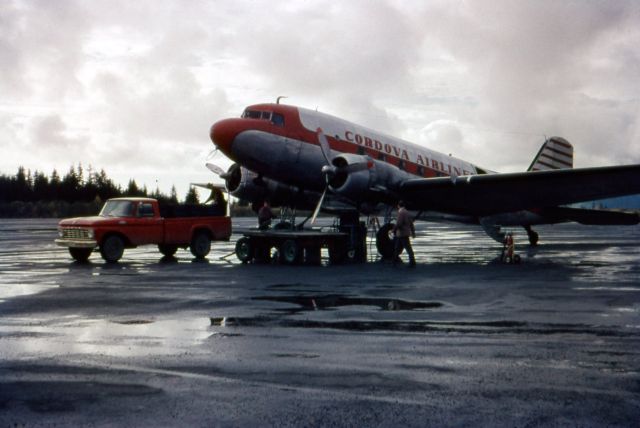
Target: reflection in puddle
121,338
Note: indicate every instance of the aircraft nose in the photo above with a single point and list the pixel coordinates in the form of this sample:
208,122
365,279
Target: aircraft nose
223,133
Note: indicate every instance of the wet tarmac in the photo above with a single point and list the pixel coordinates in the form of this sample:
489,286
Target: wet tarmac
461,340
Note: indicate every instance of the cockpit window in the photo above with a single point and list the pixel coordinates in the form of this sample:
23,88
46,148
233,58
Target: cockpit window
275,118
251,114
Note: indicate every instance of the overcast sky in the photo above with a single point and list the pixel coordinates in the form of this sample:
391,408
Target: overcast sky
133,86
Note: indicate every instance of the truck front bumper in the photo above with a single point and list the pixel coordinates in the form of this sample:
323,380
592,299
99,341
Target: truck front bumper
77,243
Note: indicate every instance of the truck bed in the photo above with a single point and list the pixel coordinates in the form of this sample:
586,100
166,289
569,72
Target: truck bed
190,210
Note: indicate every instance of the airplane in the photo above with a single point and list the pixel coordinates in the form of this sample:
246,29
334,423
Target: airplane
306,159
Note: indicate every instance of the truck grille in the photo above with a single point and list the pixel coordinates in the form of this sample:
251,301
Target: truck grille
75,233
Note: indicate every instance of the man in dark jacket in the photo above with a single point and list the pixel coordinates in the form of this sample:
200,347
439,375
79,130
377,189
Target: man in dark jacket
403,230
264,216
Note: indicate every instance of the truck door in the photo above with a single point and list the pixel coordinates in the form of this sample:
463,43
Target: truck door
148,226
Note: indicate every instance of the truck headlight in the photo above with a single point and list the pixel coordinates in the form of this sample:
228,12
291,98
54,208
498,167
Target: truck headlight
60,233
91,233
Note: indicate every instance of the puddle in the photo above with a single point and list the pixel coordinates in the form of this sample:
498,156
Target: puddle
315,303
133,322
453,327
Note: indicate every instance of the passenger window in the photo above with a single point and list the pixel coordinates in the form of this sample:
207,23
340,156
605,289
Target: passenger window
277,119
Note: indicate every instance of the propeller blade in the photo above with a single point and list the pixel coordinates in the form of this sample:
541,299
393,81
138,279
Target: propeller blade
209,186
317,210
216,169
324,145
355,167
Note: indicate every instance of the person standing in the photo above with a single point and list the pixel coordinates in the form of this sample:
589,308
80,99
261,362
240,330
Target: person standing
403,230
264,216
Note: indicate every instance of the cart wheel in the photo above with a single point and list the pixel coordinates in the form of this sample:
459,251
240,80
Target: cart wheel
244,249
289,252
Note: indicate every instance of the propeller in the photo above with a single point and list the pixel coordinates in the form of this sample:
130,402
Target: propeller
217,170
327,170
225,175
216,189
330,170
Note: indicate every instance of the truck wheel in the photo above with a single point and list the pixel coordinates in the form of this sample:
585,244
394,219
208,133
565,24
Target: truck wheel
167,250
112,248
244,249
200,245
80,254
290,252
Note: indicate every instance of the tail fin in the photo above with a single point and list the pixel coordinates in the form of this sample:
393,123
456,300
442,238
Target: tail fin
555,153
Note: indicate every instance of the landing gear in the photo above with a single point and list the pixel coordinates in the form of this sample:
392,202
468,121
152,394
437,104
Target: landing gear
533,235
385,243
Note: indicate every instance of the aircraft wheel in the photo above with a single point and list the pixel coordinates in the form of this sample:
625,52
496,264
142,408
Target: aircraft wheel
290,252
533,238
112,248
385,242
200,245
244,249
80,254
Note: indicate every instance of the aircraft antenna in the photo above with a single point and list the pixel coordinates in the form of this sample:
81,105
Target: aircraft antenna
279,98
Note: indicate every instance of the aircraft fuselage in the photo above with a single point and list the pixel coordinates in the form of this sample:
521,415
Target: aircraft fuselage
280,142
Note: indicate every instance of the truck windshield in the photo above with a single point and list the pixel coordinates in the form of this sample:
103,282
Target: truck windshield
117,209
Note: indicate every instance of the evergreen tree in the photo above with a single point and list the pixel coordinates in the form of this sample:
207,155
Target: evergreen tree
174,195
41,187
192,196
54,185
132,188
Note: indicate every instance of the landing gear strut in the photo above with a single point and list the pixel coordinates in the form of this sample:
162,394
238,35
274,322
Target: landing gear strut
533,235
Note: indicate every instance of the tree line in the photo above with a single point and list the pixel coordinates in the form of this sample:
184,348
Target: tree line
78,192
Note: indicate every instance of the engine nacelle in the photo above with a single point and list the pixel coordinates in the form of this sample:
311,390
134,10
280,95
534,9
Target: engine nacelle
246,185
361,178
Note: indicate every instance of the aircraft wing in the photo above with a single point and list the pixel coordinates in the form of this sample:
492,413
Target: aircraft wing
488,194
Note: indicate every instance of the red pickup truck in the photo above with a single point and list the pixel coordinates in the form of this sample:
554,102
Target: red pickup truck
130,222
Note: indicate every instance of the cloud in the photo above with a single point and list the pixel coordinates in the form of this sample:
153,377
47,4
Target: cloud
137,84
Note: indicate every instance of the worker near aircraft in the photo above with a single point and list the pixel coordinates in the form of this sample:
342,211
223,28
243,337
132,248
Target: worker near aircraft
403,230
264,216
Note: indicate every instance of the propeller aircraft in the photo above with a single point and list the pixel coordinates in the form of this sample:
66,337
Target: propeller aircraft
306,159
